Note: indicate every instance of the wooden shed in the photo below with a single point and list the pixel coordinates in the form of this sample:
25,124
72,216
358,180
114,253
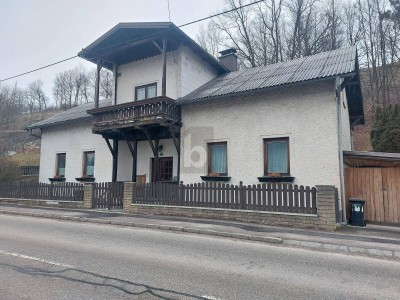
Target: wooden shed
374,177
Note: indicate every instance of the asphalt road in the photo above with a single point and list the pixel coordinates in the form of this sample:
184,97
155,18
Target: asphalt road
47,259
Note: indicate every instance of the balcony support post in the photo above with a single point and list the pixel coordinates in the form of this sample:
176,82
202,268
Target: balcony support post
164,70
178,150
114,152
133,150
115,78
156,160
97,87
115,161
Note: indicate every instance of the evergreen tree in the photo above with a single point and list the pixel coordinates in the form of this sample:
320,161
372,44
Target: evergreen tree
385,132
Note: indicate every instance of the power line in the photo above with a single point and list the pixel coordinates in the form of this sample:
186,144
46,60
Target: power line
169,11
183,25
221,13
58,62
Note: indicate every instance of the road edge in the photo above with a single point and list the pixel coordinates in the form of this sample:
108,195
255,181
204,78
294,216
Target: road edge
319,246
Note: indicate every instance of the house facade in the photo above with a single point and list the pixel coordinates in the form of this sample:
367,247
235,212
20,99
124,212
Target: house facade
178,114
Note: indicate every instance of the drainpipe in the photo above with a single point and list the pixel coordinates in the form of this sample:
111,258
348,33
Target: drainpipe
340,140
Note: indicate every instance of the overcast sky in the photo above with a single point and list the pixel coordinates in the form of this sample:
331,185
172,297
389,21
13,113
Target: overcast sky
34,33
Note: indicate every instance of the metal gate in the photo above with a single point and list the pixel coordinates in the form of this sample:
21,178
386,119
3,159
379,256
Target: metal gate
108,195
380,188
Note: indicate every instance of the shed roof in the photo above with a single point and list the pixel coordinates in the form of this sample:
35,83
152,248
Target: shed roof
371,159
73,114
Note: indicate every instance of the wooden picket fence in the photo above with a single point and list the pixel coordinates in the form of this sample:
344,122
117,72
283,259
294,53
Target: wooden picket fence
108,195
29,170
261,197
63,191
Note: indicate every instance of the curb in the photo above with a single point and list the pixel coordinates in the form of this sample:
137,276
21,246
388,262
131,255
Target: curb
326,247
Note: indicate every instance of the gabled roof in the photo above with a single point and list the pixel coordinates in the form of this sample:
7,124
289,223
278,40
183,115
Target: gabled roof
323,65
73,114
128,42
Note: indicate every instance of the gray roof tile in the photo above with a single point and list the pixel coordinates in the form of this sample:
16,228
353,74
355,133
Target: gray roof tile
322,65
76,113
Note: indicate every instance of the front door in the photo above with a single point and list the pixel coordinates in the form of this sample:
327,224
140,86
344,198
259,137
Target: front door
165,166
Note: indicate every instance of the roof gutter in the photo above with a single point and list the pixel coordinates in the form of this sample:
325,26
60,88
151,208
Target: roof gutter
30,130
338,84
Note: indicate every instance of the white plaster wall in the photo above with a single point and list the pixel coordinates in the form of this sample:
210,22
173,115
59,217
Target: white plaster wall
307,114
73,139
144,72
143,159
346,131
185,72
193,71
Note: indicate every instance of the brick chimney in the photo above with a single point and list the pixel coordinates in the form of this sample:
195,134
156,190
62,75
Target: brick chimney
229,59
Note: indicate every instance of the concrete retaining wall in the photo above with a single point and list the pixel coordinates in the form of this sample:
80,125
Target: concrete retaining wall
35,202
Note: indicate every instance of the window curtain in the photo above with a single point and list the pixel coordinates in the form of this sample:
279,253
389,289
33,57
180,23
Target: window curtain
218,159
61,164
90,164
277,157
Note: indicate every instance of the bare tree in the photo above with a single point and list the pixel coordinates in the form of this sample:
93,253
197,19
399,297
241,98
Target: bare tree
76,86
36,96
210,38
237,31
106,84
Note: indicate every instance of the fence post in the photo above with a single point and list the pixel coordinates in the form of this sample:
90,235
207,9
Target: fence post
326,207
128,195
88,195
51,190
181,193
242,196
20,190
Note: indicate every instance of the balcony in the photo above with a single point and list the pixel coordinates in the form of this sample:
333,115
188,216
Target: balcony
150,113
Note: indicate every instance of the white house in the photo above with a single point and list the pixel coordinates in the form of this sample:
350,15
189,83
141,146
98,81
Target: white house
180,114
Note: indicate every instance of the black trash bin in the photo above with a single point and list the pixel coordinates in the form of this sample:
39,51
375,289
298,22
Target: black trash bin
357,212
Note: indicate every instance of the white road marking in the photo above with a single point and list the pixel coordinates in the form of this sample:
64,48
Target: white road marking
36,259
210,297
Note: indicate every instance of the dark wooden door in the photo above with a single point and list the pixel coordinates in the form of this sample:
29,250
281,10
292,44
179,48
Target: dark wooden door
165,169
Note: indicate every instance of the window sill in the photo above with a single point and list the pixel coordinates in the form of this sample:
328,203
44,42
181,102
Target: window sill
215,178
57,179
85,179
276,179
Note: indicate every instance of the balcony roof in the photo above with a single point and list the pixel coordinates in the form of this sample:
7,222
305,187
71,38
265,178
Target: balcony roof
129,42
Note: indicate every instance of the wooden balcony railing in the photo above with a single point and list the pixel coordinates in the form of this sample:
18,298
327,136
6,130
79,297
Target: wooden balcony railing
154,111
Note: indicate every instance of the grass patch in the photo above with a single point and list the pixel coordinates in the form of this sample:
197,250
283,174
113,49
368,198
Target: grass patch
31,157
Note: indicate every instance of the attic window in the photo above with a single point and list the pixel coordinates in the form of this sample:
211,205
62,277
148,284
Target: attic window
145,91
